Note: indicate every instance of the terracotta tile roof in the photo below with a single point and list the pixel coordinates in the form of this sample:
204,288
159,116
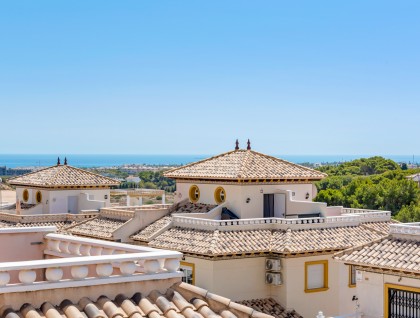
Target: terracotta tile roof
382,227
180,300
189,207
62,175
146,234
270,307
212,243
59,224
387,253
100,227
244,165
300,241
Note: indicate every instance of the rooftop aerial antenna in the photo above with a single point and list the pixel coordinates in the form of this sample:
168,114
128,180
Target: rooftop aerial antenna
248,147
237,145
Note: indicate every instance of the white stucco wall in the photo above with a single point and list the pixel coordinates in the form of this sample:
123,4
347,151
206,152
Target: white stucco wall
371,288
237,195
237,279
241,279
56,201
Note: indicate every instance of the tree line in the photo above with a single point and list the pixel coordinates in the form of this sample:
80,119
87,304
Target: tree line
371,183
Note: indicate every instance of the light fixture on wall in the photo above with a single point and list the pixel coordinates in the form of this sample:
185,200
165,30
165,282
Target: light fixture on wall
307,196
261,191
248,200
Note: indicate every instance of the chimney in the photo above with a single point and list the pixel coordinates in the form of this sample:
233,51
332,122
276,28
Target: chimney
237,145
249,145
58,161
65,161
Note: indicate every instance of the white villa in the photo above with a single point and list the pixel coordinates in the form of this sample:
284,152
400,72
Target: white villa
62,189
248,229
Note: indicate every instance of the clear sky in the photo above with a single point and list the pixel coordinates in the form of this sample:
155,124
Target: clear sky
189,77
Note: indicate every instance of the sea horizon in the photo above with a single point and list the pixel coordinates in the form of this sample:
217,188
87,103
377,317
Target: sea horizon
114,160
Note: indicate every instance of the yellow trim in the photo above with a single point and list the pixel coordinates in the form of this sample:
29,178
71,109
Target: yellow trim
194,193
217,195
314,290
192,265
400,287
25,195
351,285
40,197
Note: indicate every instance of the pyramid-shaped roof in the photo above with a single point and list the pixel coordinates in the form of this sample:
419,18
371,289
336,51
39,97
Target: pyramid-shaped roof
62,175
244,165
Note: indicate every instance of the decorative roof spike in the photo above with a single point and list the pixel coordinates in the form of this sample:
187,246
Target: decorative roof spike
237,145
58,161
248,145
65,161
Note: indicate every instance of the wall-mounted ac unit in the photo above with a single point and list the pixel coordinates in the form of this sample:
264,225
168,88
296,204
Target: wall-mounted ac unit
273,265
273,278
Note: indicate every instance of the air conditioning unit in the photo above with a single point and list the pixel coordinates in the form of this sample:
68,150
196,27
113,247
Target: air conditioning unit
273,279
273,265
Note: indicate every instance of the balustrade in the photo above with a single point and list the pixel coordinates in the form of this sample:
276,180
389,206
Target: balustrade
131,267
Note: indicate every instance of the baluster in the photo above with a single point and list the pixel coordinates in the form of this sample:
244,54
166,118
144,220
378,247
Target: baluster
27,276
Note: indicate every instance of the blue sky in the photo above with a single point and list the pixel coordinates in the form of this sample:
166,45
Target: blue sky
189,77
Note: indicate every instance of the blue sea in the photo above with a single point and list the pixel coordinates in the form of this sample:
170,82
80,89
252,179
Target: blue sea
102,160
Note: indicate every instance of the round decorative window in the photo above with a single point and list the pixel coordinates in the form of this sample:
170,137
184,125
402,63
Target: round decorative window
38,197
219,195
194,193
25,195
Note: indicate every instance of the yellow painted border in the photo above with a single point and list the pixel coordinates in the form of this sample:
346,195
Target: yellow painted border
350,283
307,264
400,287
192,265
40,196
191,193
25,195
217,197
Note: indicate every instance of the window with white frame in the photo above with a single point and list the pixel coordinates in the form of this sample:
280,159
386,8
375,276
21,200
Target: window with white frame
316,276
188,272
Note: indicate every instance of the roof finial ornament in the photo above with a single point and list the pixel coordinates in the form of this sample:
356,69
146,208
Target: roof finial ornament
65,161
58,161
248,145
237,145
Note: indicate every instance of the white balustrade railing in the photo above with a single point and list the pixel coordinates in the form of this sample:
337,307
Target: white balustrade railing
358,211
261,223
97,263
405,229
39,218
64,245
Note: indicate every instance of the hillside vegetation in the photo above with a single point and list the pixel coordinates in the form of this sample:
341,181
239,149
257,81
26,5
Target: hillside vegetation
371,183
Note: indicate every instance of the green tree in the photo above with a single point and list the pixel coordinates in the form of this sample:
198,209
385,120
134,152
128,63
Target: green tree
409,213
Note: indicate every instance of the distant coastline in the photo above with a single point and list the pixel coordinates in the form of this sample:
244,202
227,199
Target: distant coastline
102,160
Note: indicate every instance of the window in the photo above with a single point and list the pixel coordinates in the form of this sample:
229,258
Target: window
25,195
316,276
38,197
219,195
188,272
352,276
194,193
